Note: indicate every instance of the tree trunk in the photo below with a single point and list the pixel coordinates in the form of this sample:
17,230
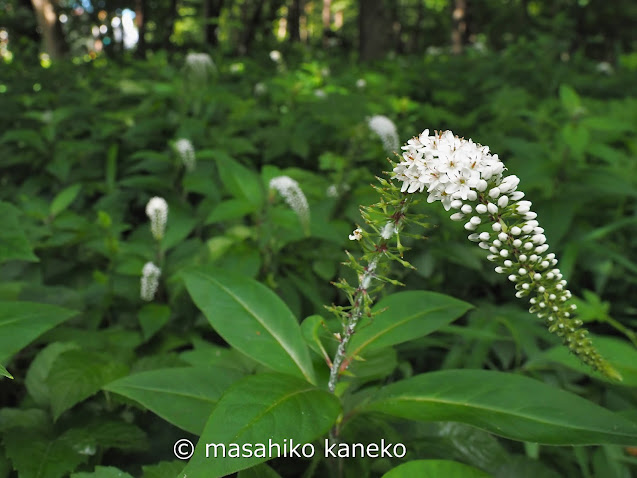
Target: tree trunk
140,22
459,31
253,25
212,12
50,28
327,22
170,24
294,21
373,30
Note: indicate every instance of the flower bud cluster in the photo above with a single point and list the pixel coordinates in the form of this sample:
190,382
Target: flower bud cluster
386,130
186,152
157,212
465,177
294,197
149,281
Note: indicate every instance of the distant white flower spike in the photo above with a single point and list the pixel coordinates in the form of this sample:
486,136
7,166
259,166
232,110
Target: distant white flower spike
386,130
149,281
157,212
186,152
199,66
294,197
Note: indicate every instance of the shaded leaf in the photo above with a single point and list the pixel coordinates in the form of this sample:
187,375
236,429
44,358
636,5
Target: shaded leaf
23,322
183,396
508,405
261,409
435,469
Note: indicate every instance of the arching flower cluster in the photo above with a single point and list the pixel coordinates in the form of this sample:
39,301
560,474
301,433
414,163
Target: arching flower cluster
467,178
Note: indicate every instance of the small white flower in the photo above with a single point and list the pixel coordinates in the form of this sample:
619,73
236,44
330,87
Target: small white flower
275,56
319,93
386,130
361,83
260,89
186,152
157,212
149,281
356,235
605,68
388,230
293,196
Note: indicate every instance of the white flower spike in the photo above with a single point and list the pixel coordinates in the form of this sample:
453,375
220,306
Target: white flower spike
386,130
157,212
465,175
149,281
294,197
186,152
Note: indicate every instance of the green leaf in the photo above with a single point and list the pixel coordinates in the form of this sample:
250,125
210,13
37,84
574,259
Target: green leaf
36,456
508,405
259,471
435,469
409,315
240,181
77,374
152,317
39,369
64,199
14,244
256,410
23,322
5,373
183,396
253,319
163,469
230,209
570,99
103,472
620,354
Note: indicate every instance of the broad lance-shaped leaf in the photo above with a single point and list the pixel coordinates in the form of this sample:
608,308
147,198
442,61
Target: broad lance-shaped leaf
408,316
23,322
183,396
508,405
252,319
261,409
435,469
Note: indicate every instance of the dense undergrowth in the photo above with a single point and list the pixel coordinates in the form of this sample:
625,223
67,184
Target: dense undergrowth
83,147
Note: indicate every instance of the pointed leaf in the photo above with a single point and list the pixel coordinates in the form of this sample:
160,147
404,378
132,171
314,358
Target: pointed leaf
4,372
64,199
77,374
103,472
409,315
183,396
435,469
23,322
256,410
253,319
14,244
508,405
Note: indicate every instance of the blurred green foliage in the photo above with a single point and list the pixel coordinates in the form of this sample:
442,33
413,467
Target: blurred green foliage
83,147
